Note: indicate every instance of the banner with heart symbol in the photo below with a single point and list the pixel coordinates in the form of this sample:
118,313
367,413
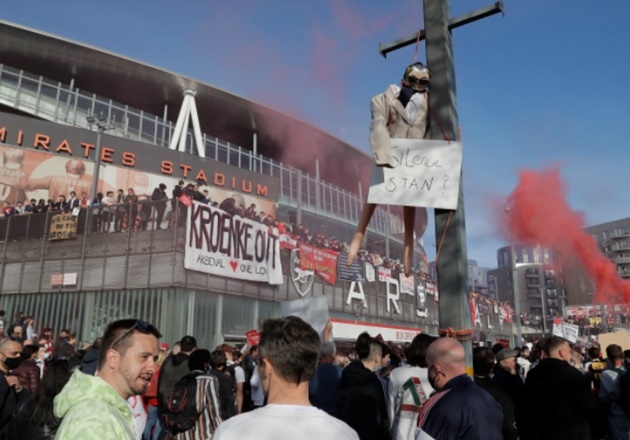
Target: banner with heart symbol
231,246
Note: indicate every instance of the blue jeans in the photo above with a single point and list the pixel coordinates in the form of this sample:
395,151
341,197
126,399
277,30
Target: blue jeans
154,426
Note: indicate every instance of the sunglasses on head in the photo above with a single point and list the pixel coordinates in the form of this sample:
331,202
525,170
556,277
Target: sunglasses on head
139,324
419,81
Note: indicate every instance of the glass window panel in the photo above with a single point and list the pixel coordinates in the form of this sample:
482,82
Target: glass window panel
8,86
276,169
84,103
312,196
245,161
223,154
28,94
48,100
266,167
233,157
148,129
133,125
101,108
211,148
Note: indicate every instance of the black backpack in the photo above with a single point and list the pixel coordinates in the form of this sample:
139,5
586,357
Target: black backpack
180,412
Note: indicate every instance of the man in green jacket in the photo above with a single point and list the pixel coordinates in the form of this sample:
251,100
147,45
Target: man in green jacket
95,407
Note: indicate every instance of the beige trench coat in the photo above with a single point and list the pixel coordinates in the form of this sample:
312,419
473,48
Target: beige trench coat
390,120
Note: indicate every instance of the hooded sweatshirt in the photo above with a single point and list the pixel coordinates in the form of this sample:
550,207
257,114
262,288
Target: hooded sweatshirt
92,409
362,402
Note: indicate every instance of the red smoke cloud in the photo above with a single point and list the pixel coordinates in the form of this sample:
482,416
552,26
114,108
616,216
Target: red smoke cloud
539,214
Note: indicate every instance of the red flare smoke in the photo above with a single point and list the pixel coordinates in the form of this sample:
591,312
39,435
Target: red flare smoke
539,214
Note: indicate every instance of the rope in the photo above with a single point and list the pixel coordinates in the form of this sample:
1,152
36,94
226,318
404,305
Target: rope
437,255
446,138
460,335
415,55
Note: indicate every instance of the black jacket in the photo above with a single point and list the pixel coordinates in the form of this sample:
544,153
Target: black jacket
227,399
9,401
26,427
560,401
362,402
512,385
89,362
509,428
463,411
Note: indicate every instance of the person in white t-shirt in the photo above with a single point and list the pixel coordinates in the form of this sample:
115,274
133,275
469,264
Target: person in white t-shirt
288,356
409,388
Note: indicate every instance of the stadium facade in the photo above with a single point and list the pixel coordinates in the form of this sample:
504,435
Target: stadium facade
81,270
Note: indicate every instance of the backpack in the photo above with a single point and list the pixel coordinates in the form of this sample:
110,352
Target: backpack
180,412
596,369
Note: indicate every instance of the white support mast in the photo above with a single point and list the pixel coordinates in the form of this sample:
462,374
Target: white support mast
186,113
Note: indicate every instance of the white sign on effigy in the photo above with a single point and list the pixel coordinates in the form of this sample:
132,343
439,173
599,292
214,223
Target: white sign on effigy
425,173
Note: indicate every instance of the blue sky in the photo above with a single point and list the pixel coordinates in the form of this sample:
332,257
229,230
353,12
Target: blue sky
546,84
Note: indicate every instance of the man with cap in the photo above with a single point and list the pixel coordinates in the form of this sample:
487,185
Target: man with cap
507,378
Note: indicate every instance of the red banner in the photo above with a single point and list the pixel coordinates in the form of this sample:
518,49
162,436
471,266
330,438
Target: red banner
322,261
186,200
286,242
473,309
252,337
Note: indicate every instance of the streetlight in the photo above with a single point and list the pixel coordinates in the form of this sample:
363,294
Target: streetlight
99,120
517,297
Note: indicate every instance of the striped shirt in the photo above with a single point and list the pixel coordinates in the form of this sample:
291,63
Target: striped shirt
208,406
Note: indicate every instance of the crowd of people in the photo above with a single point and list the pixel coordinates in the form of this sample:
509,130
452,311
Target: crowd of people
116,212
294,384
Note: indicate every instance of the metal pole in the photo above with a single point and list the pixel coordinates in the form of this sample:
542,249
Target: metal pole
97,162
543,296
452,261
517,297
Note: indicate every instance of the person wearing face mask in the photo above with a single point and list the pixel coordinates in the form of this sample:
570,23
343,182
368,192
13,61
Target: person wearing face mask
459,409
11,391
361,395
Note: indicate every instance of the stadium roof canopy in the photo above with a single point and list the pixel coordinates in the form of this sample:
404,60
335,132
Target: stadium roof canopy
150,88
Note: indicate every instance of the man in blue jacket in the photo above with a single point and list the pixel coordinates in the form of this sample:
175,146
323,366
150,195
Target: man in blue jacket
460,409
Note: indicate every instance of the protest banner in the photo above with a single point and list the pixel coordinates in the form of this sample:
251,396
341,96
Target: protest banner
569,332
253,337
370,275
421,299
407,284
354,272
620,338
424,173
220,244
62,227
384,273
322,261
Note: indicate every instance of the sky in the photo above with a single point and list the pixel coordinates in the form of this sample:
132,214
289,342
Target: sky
545,85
